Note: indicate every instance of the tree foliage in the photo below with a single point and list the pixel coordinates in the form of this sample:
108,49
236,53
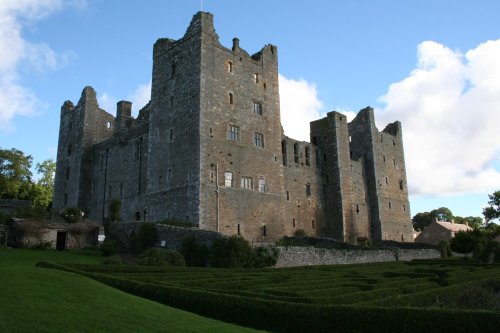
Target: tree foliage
465,241
492,212
422,220
15,174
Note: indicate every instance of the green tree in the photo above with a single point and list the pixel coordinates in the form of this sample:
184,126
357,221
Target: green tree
15,174
44,187
421,221
464,242
492,212
475,222
442,214
231,252
145,238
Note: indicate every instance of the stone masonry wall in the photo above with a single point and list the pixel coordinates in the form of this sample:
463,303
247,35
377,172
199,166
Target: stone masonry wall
305,256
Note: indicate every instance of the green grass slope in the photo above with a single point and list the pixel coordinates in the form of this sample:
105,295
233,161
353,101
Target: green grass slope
34,299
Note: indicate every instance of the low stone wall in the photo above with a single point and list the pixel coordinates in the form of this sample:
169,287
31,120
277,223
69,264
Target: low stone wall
304,256
170,235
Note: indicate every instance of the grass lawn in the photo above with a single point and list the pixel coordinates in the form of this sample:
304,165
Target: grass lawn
45,300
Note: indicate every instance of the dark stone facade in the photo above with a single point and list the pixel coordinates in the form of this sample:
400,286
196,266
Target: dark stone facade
209,149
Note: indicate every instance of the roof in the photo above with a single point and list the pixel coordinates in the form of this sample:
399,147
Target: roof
455,227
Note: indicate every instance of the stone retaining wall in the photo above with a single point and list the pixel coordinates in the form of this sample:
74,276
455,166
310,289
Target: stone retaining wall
304,256
172,236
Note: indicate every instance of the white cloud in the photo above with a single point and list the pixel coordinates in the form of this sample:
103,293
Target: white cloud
449,106
140,97
16,99
299,106
107,102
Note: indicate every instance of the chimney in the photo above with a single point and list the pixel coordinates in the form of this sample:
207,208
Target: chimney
236,43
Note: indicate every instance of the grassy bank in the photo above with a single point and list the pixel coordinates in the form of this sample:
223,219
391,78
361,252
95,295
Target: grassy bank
43,300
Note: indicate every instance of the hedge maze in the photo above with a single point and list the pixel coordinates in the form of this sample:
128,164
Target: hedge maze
421,296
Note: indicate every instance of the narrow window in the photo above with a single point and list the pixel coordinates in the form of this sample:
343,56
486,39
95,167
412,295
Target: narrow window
257,108
65,199
246,182
68,169
233,133
324,157
239,231
256,77
137,216
296,153
169,175
313,224
258,139
212,176
172,70
357,208
393,142
401,185
231,98
386,181
293,222
283,151
308,190
137,150
264,231
390,206
402,238
69,149
108,125
172,100
404,208
262,185
229,67
287,196
308,156
228,179
394,162
383,156
102,162
298,201
171,135
350,154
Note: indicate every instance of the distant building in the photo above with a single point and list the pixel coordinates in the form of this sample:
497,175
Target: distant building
209,149
439,231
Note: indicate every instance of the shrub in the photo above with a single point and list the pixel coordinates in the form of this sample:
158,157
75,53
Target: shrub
161,257
195,253
114,210
463,242
478,249
265,257
488,253
145,238
108,247
444,249
5,218
231,252
300,233
72,215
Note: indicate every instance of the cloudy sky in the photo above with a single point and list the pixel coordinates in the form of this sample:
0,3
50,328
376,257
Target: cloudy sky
433,65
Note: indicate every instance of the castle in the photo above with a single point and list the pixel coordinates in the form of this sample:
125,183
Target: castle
209,149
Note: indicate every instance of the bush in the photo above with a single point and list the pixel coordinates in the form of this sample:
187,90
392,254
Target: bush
478,249
231,252
108,247
300,233
5,218
145,238
444,249
114,210
463,242
265,257
161,257
195,253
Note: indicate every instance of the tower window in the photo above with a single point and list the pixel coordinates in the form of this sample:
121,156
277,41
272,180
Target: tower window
172,69
308,155
69,149
257,108
308,190
233,133
296,153
231,98
68,170
258,138
394,162
283,151
313,224
229,67
287,196
171,135
238,230
401,185
264,231
228,179
256,77
293,222
246,182
262,185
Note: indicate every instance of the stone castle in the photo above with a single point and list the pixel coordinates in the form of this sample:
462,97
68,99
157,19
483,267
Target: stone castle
209,149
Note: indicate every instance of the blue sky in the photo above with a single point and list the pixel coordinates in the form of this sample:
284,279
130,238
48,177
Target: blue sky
434,65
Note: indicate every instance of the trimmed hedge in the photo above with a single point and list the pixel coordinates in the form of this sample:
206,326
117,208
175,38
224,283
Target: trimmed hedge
282,316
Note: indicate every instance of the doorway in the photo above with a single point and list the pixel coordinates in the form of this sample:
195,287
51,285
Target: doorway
61,241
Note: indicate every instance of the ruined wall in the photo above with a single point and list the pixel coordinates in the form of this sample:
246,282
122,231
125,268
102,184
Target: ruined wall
240,134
